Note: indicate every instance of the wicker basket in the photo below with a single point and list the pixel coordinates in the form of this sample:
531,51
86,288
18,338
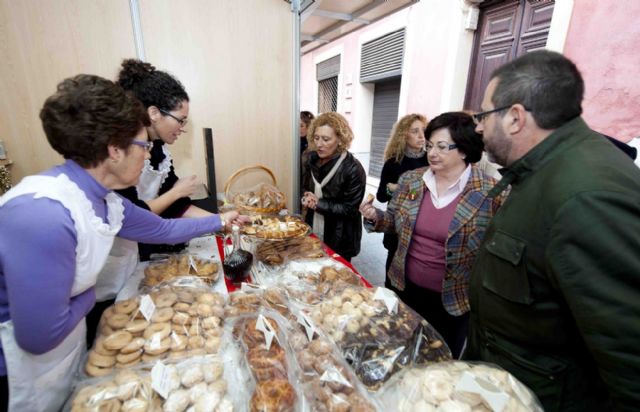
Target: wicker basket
263,198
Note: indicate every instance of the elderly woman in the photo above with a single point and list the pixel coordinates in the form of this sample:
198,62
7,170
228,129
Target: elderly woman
404,152
440,214
57,229
335,182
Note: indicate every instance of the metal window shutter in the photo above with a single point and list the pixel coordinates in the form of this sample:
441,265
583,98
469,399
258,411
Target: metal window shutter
328,95
386,99
382,57
328,68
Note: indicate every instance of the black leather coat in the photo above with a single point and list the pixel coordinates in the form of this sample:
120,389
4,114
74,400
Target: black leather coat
341,198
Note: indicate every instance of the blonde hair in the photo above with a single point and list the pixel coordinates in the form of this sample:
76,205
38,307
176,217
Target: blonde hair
398,140
339,125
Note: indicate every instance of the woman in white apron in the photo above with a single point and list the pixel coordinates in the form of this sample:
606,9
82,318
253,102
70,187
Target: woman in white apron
57,230
335,182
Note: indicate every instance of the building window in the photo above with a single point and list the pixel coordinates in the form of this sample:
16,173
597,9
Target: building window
328,95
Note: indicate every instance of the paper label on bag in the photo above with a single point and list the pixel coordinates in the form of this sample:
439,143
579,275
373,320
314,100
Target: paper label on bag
156,340
265,327
388,297
161,379
283,226
494,397
147,307
307,324
192,263
334,375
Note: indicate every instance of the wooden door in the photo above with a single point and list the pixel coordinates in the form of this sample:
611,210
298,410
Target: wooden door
507,29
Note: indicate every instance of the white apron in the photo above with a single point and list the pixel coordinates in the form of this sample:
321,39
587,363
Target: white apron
151,180
318,219
120,265
43,382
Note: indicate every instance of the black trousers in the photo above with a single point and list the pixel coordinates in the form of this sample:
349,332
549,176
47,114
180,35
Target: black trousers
93,319
4,393
428,304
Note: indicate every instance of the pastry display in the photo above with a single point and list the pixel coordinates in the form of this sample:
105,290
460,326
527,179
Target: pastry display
278,252
196,383
457,386
375,342
267,360
328,384
276,228
263,198
181,265
251,301
186,322
311,287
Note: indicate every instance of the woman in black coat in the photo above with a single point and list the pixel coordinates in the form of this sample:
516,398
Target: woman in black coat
404,152
334,185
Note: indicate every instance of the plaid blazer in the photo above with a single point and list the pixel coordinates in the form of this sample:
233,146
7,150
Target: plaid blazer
466,230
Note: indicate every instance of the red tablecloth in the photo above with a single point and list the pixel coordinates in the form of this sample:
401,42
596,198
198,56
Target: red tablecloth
231,287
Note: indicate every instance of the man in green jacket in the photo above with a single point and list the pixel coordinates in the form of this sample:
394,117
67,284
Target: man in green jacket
555,289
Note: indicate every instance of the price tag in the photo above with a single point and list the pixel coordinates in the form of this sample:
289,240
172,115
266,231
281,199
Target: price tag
147,307
192,264
265,327
155,341
283,226
161,379
334,375
307,324
388,297
495,398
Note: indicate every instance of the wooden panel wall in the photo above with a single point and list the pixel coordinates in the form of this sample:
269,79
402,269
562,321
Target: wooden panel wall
42,43
234,58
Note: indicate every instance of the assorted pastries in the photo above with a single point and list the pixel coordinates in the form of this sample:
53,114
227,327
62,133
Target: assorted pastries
186,322
264,227
263,199
275,253
180,265
375,342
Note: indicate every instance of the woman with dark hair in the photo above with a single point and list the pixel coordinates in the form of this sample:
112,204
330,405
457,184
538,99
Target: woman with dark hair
334,185
167,104
404,152
305,120
57,230
440,214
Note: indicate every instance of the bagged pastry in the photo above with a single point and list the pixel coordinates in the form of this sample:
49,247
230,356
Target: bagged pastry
457,386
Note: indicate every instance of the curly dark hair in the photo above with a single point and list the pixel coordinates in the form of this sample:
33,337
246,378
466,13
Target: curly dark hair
153,87
463,132
87,114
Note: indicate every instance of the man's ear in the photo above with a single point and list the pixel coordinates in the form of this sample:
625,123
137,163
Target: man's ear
517,118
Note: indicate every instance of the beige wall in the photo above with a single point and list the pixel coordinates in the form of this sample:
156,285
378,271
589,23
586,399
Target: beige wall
42,43
234,58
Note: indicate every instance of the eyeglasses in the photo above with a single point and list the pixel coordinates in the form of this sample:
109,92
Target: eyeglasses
441,147
479,117
181,122
146,145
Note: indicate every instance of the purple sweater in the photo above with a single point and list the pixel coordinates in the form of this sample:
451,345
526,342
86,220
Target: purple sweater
37,259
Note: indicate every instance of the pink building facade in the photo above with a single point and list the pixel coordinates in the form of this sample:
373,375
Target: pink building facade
602,37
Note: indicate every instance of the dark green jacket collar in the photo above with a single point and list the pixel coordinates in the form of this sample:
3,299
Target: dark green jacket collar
556,143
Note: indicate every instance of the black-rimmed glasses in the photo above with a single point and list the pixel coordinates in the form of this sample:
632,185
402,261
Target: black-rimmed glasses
181,122
146,145
479,117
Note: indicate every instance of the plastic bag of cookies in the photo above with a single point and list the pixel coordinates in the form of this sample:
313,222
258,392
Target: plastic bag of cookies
170,322
263,342
275,253
174,266
253,298
377,333
124,390
197,382
457,386
328,383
